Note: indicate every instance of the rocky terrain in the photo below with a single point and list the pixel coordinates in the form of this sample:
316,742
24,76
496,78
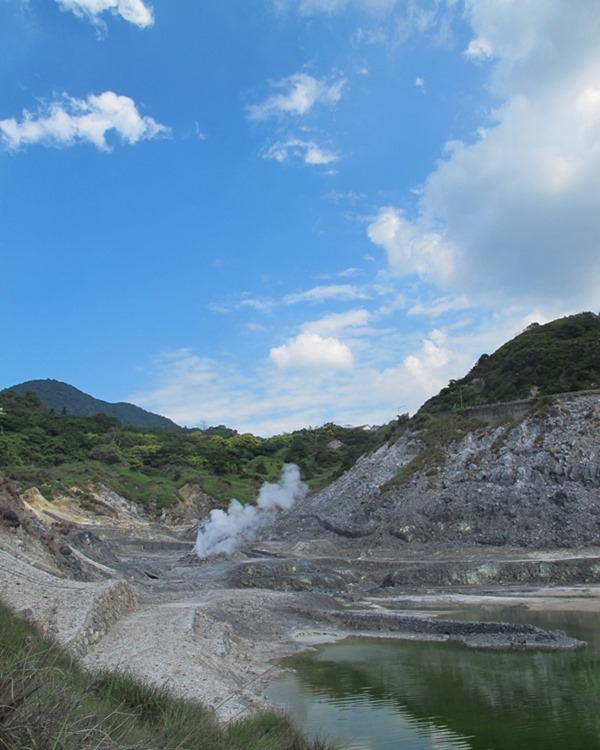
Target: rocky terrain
457,511
530,482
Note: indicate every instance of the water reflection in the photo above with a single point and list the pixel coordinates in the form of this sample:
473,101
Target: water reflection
390,694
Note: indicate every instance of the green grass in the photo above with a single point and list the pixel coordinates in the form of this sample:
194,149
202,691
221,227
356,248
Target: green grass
48,702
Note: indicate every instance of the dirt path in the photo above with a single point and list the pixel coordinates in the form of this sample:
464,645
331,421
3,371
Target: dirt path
216,647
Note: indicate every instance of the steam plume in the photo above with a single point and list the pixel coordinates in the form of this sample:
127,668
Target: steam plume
224,531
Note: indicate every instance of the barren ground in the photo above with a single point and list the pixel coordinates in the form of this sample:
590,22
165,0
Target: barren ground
216,630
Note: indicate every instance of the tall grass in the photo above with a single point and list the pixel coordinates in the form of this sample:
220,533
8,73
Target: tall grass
48,702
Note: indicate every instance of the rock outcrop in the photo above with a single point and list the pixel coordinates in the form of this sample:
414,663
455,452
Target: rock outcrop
531,482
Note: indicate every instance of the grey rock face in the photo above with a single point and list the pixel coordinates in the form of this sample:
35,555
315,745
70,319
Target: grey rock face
533,482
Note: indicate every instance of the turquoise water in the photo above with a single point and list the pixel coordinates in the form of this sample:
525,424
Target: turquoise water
376,694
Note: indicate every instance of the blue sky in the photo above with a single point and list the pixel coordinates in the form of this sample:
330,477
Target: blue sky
272,214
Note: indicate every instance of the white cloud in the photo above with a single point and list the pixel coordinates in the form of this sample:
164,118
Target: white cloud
432,360
315,155
263,305
514,215
426,364
318,378
309,7
350,196
313,352
349,272
134,11
439,306
327,292
72,121
255,327
334,323
297,95
410,250
307,151
199,133
315,295
509,221
537,45
479,49
192,390
388,21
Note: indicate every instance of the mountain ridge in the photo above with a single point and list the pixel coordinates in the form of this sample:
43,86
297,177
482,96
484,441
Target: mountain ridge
64,398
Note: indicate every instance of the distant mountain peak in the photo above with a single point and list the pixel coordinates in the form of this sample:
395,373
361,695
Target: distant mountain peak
65,398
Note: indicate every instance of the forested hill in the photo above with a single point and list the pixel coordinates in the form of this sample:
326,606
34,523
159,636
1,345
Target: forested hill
55,437
63,398
56,452
558,357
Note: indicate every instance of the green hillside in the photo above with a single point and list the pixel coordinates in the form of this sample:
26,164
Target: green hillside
63,398
557,357
45,444
56,452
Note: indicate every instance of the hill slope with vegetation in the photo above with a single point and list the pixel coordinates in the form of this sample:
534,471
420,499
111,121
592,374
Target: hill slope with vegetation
56,452
43,446
558,357
524,475
63,398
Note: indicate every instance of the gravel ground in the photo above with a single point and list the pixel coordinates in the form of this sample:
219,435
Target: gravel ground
217,644
216,631
220,648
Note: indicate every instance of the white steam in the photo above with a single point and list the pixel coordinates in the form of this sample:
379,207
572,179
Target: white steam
224,531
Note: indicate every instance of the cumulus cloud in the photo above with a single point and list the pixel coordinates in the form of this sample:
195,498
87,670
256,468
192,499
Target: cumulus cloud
510,215
308,152
479,49
432,358
411,250
296,95
513,215
425,365
134,11
313,352
194,390
386,372
70,121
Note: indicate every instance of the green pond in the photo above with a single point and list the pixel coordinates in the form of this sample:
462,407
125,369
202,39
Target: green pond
379,694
